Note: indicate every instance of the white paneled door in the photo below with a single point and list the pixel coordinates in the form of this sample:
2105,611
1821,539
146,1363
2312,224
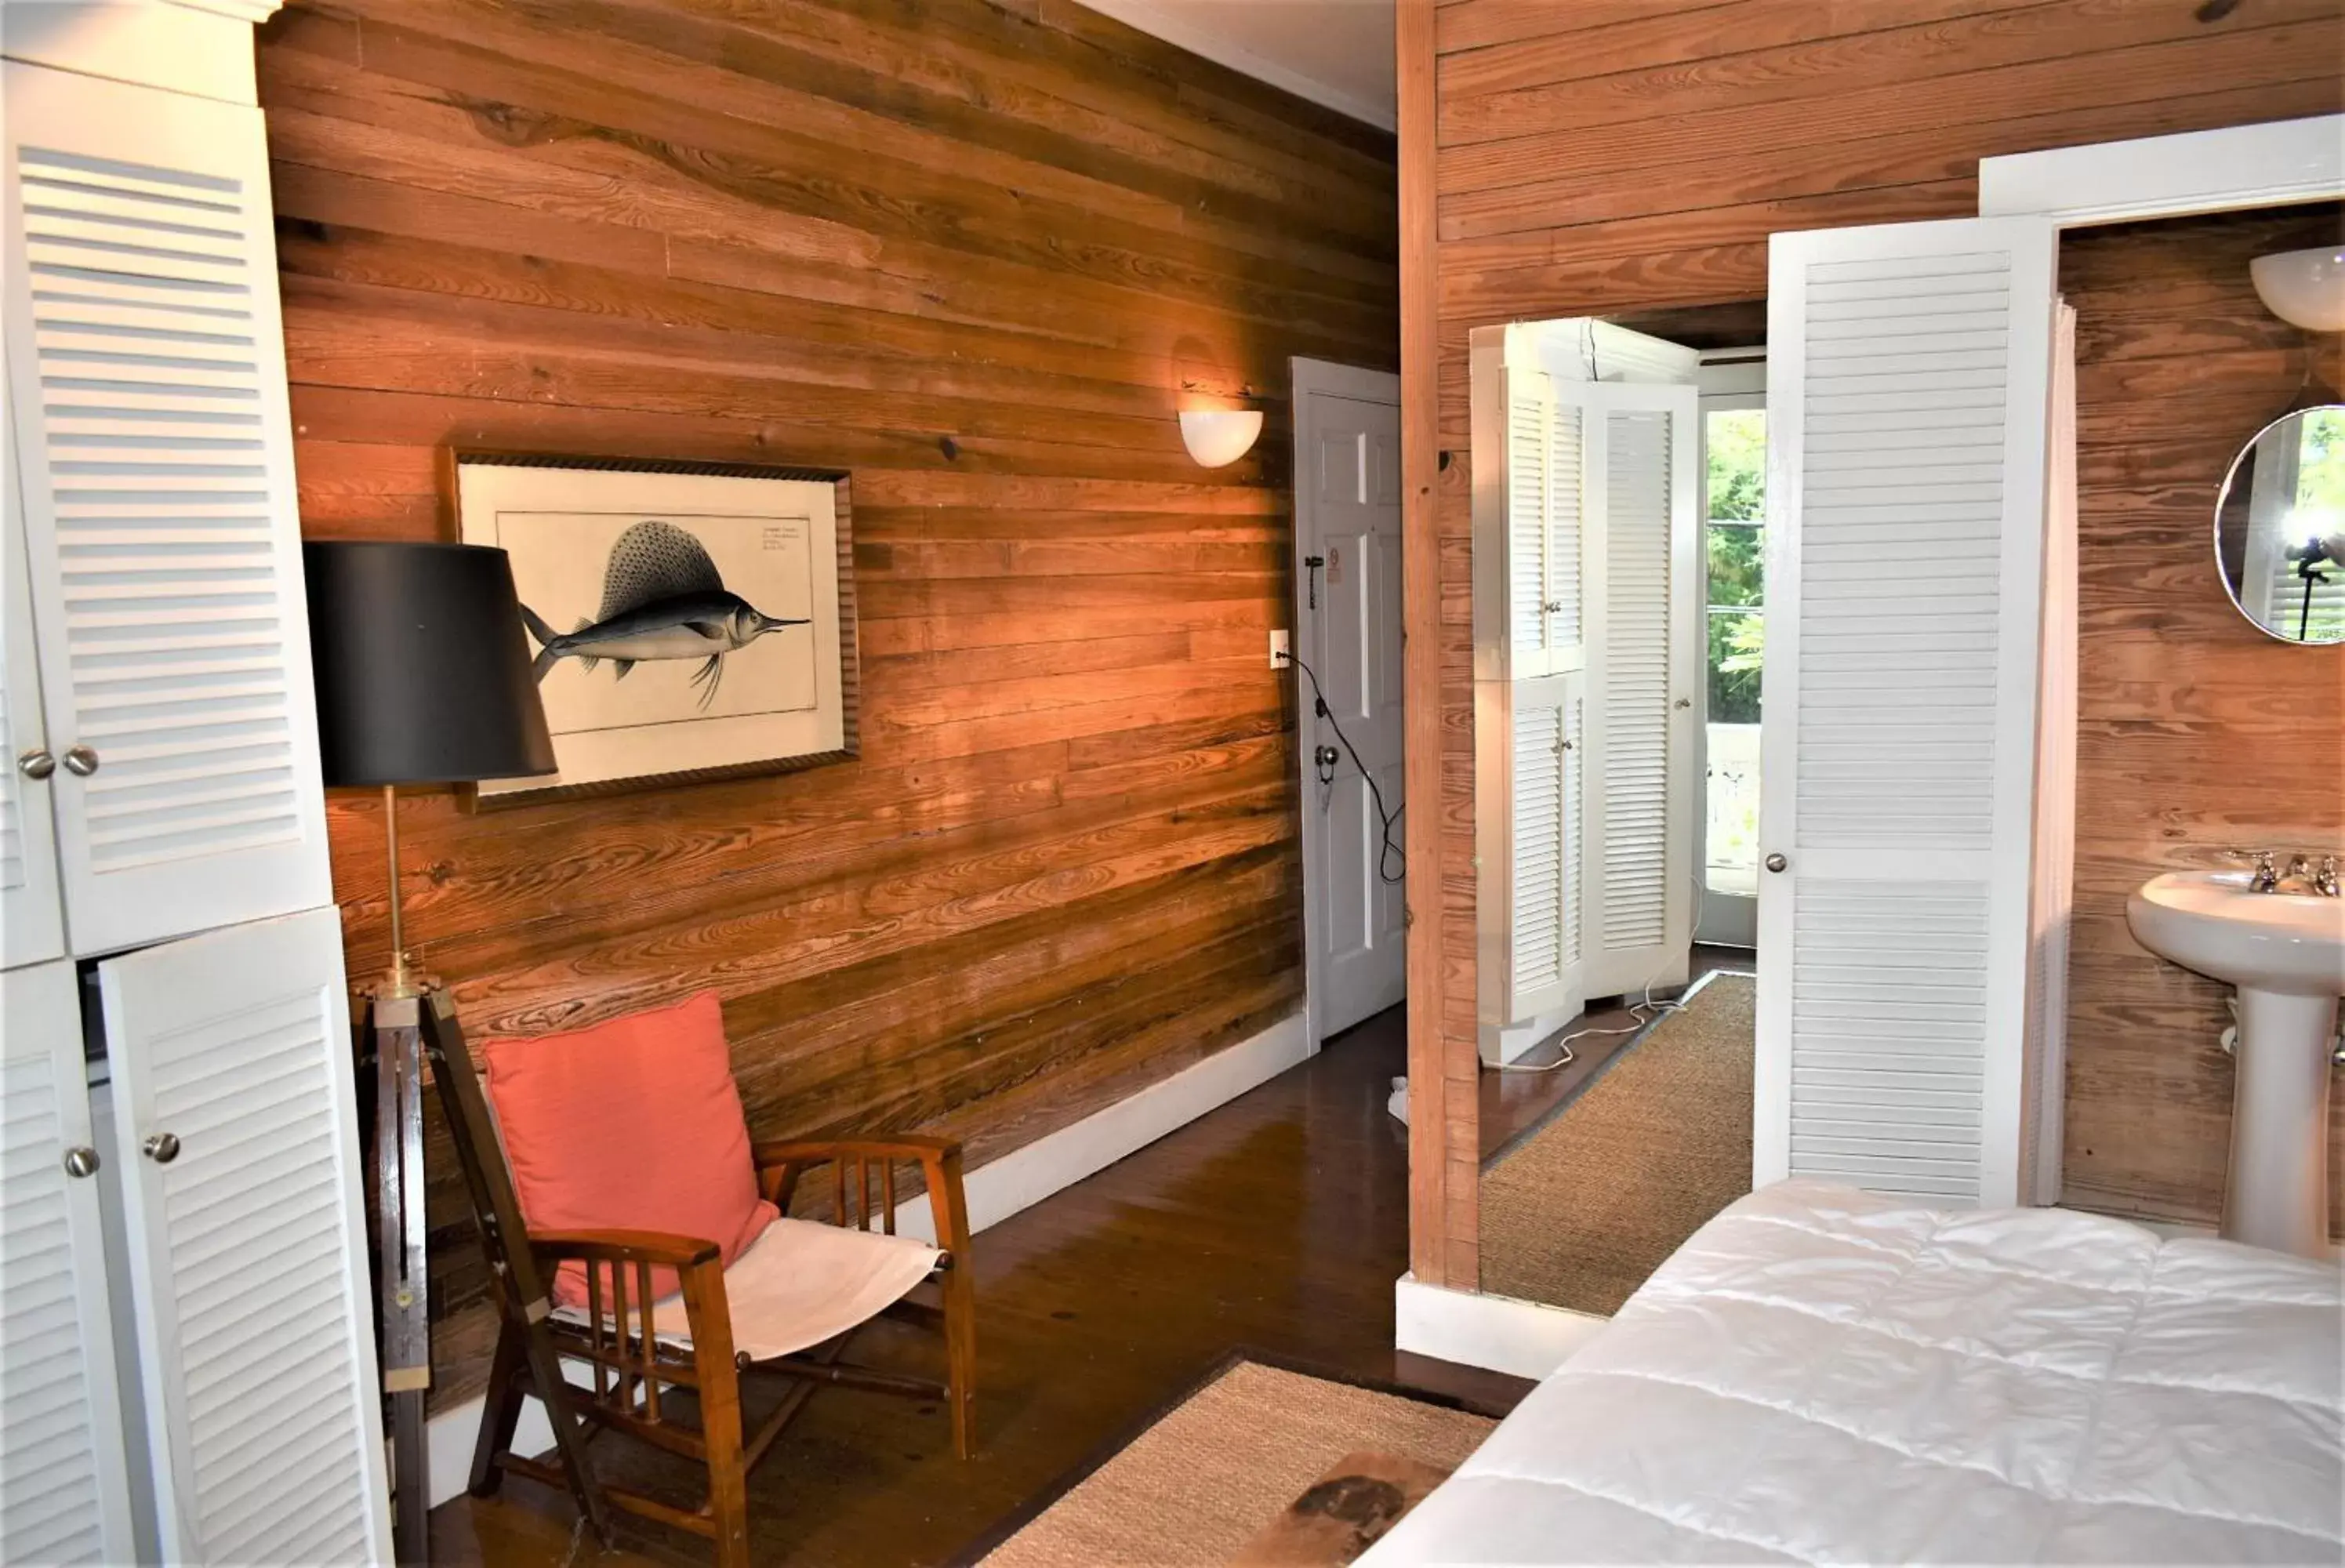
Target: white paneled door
1348,522
1908,384
146,357
64,1489
239,1141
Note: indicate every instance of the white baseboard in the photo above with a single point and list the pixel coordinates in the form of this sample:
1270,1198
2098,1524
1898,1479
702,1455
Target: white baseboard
1502,1045
1522,1338
996,1191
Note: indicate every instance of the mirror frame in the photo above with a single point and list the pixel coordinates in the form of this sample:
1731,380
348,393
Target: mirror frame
2215,531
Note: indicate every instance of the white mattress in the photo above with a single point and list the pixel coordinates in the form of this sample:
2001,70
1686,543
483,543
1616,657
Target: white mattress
1828,1376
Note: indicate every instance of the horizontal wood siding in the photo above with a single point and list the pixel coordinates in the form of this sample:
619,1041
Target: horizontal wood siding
2195,731
973,254
1621,156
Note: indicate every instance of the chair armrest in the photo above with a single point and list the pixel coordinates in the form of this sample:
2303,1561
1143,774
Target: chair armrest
816,1150
653,1247
778,1163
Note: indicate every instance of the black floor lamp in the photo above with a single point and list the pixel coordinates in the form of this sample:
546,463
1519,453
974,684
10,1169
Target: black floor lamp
423,677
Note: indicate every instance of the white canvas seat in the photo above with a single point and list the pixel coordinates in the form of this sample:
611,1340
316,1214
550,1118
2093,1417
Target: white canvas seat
799,1284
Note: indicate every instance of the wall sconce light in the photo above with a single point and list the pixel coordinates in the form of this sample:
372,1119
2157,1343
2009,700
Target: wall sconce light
2304,287
1219,437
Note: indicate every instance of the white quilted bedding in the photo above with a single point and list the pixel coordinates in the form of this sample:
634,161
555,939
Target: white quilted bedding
1827,1376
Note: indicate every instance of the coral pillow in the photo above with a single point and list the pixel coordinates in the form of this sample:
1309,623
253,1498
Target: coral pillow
632,1125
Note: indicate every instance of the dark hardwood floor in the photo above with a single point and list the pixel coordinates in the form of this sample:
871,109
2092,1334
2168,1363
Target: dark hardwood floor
1513,1103
1277,1223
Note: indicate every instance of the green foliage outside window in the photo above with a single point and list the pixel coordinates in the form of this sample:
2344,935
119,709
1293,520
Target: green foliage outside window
1736,443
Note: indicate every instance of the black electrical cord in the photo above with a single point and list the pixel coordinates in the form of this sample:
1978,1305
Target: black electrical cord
1388,853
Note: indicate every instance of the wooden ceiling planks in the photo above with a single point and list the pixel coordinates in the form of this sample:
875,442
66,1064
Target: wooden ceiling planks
974,255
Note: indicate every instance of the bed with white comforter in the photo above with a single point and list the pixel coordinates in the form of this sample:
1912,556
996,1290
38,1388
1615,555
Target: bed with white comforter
1828,1376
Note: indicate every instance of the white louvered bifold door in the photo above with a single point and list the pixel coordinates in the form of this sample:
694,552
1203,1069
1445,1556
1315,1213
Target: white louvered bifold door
248,1250
32,923
1909,374
1644,657
147,358
1540,949
63,1490
1539,581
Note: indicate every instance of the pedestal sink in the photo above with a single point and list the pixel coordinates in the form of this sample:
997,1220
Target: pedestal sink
2285,952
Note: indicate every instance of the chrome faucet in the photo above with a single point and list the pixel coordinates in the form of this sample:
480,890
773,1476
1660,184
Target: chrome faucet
2266,878
2320,880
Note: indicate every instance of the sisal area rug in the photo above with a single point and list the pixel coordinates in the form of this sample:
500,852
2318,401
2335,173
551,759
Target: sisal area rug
1582,1211
1214,1480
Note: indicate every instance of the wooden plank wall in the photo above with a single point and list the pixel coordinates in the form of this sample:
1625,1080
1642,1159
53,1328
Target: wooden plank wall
972,252
1615,156
2195,730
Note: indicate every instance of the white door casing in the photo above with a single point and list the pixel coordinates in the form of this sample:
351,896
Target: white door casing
31,922
145,355
248,1258
64,1484
1908,389
1347,516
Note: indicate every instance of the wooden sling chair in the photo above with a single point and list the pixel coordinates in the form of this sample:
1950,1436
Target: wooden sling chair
675,1263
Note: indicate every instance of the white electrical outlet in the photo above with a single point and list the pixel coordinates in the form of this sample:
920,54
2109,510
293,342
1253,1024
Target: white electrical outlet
1279,648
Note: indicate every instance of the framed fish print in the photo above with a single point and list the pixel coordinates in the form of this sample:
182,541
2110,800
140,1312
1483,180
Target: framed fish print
684,621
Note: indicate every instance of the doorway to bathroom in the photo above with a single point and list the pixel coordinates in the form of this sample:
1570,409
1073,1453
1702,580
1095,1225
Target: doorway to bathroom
1620,613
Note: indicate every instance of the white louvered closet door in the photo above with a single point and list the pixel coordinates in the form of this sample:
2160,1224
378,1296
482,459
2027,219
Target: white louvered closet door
1644,657
146,357
248,1253
1530,656
32,924
1547,745
64,1488
1909,373
1545,528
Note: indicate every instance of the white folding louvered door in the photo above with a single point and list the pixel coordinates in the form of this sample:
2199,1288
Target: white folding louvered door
1908,383
234,1115
32,926
1544,935
1534,548
64,1488
1644,654
146,354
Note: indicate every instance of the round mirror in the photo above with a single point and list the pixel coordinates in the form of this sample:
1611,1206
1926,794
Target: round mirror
2279,527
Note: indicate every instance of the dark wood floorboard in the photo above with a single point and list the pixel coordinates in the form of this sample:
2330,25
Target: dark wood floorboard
1515,1102
1277,1223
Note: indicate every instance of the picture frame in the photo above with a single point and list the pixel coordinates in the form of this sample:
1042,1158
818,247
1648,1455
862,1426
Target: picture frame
690,621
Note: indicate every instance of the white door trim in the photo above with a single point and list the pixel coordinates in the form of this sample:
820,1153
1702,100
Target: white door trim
2274,164
1315,378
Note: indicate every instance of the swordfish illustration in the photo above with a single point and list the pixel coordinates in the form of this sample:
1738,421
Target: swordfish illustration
662,599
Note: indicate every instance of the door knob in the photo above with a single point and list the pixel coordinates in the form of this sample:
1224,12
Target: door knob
1555,606
80,761
1776,863
163,1148
81,1161
35,764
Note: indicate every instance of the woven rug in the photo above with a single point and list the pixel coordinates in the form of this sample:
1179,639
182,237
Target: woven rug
1206,1480
1581,1211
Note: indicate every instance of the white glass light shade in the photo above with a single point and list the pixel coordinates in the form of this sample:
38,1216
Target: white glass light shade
2304,287
1219,437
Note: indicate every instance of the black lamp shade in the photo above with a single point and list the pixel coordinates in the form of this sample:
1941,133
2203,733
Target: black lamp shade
423,674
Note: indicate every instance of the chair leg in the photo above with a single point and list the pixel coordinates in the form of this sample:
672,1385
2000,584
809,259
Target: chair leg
500,1414
720,1417
960,1354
